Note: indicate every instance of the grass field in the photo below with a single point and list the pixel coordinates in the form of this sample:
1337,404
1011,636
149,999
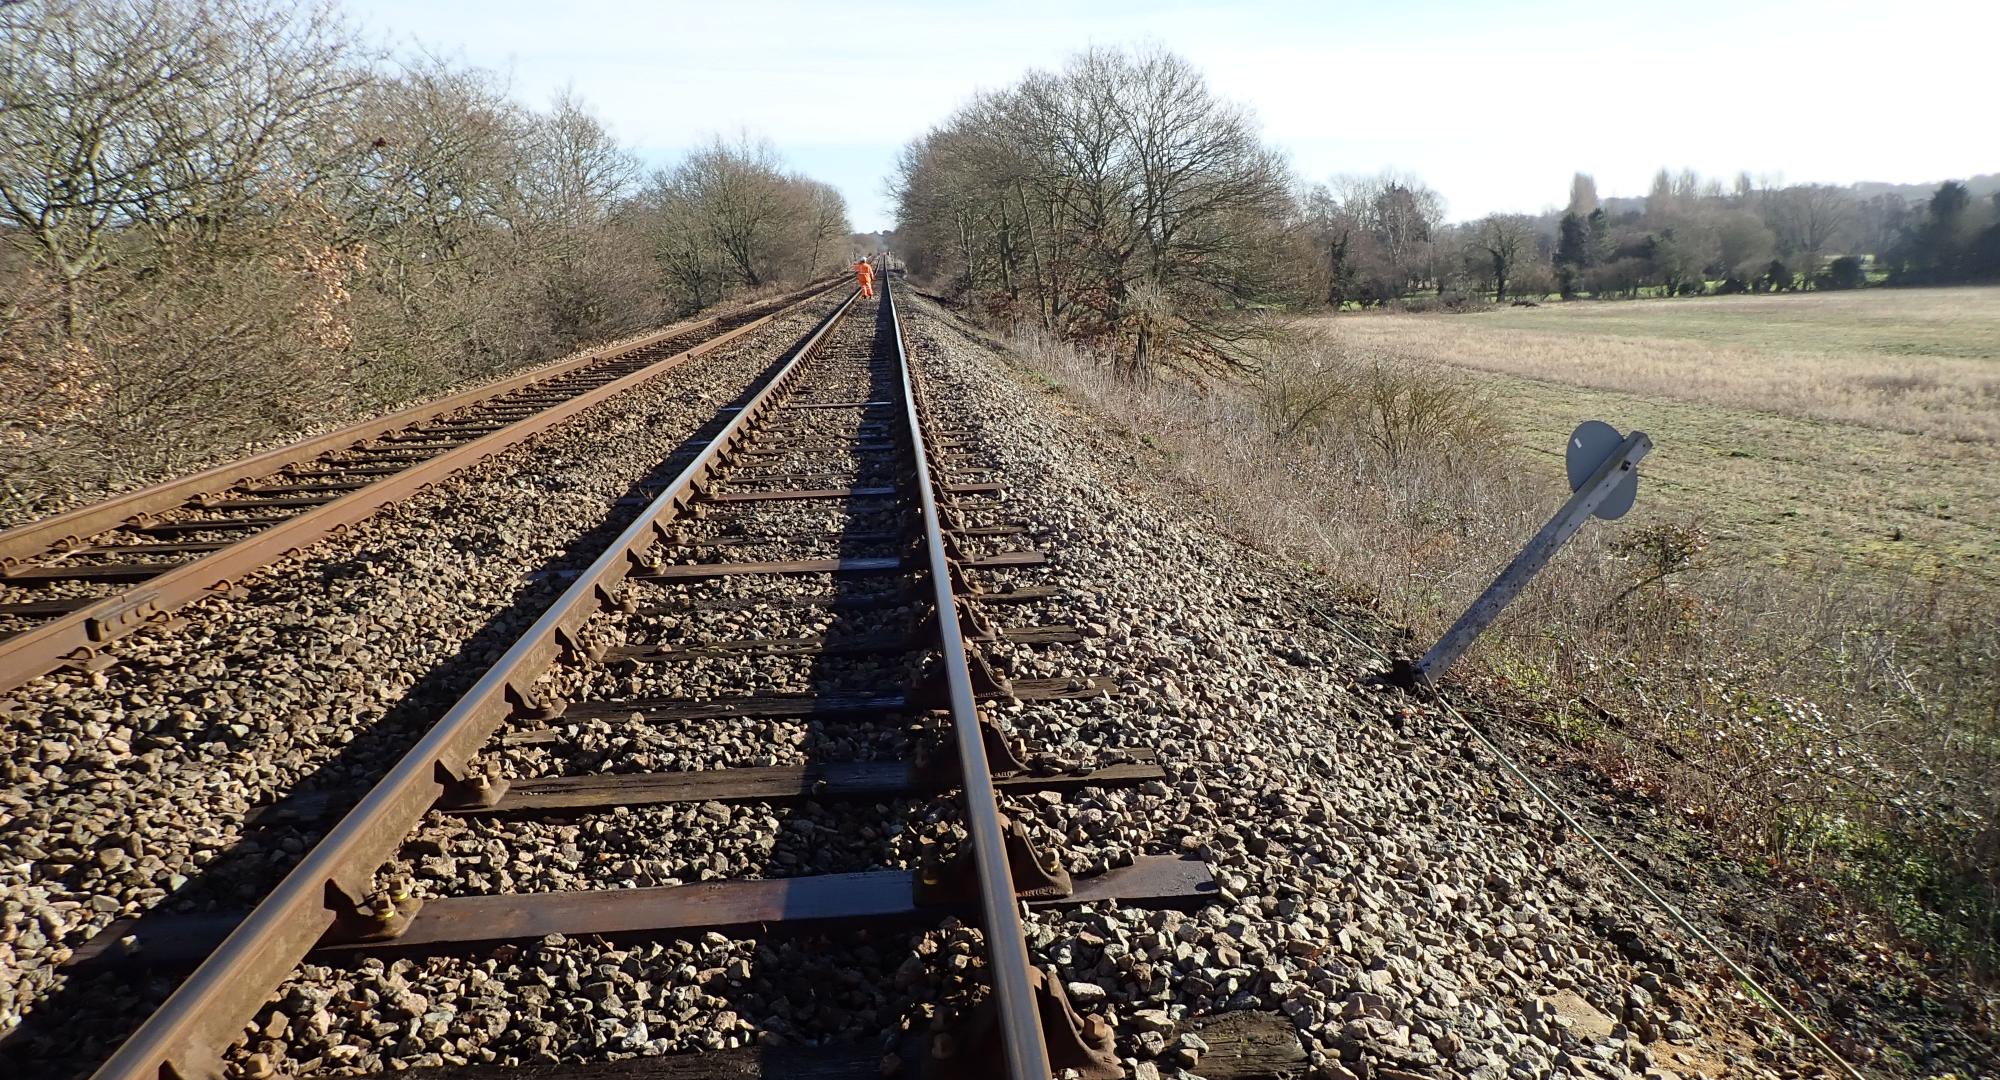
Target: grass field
1860,426
1802,704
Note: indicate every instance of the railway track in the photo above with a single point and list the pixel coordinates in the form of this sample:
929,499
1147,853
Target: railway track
807,605
73,584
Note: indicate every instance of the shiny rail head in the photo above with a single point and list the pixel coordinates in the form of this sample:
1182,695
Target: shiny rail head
1015,1002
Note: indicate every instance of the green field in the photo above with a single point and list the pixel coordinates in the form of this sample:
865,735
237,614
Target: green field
1860,426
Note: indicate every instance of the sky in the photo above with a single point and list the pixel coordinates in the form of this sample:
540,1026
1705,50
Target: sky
1495,103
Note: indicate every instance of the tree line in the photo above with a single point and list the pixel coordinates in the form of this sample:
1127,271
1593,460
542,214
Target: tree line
1120,203
224,220
1691,236
1116,201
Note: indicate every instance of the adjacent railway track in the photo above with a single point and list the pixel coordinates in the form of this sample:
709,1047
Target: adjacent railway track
73,584
830,496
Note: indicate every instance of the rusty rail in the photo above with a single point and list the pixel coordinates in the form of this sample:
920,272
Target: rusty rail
186,1037
1017,1013
1025,1028
81,634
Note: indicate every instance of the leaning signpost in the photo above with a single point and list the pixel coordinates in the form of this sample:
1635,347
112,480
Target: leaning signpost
1604,474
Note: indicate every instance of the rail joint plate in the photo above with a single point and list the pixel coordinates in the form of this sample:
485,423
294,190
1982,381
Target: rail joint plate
128,614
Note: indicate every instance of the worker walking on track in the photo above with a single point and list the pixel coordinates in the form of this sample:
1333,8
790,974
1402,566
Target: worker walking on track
865,273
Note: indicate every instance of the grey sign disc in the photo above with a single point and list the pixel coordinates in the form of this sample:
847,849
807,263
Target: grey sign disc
1589,445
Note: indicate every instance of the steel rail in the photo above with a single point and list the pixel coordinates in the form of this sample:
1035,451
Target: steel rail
187,1036
83,632
36,537
1019,1025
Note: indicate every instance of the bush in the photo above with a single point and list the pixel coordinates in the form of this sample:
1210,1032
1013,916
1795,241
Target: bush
1405,413
1618,277
1845,272
1777,277
1453,301
364,235
1531,281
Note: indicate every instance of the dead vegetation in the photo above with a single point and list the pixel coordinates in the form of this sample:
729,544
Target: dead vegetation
223,222
1809,721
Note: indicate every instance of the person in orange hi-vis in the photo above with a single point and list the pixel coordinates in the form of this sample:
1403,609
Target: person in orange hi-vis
865,274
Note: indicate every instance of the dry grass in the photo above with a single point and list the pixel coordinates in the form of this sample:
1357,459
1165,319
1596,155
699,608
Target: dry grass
1811,718
1862,427
1920,361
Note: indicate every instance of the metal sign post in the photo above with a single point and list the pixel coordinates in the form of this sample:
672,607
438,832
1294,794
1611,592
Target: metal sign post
1604,474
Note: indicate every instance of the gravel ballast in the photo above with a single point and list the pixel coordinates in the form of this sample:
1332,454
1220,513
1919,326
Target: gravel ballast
1402,909
133,788
1406,910
564,1000
1407,907
1383,889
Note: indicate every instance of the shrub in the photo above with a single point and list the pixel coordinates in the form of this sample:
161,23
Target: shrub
1532,281
1408,413
1453,301
1845,272
1777,277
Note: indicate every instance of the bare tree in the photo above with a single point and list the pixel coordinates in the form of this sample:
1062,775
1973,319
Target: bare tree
577,171
124,114
436,164
825,215
1744,244
1503,240
727,213
688,262
1582,195
221,220
1404,213
1337,236
756,216
1390,222
1807,218
1119,198
1202,182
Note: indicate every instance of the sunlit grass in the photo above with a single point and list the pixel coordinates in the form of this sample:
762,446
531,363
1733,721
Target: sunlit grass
1860,426
1919,361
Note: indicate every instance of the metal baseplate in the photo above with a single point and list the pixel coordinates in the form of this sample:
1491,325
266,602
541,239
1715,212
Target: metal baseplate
949,877
1084,1043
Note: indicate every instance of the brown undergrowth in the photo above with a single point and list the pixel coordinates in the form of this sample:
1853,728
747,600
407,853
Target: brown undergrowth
65,442
1812,724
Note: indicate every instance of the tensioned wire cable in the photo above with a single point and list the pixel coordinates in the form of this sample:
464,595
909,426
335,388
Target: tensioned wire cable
1618,864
